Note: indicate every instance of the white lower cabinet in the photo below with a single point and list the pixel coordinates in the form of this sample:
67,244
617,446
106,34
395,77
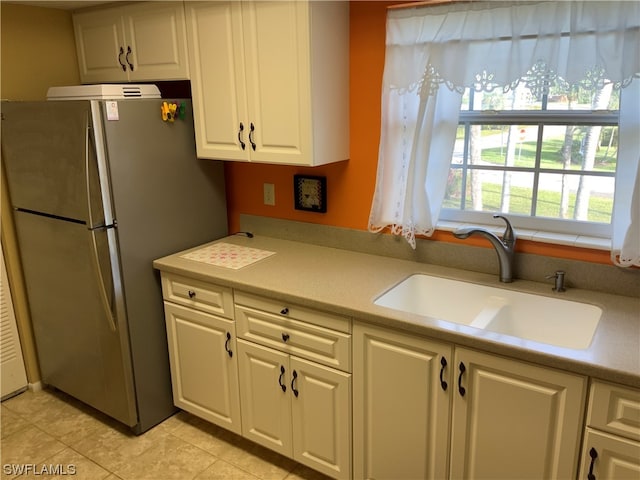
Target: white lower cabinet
266,405
511,419
204,365
285,383
611,446
299,407
401,409
295,407
508,419
201,336
422,409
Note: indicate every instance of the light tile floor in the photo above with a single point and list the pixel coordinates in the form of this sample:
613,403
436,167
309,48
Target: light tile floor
51,428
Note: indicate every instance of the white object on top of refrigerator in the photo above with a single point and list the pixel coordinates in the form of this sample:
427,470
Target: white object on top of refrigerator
95,201
103,92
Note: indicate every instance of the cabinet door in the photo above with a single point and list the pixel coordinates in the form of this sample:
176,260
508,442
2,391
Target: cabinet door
155,33
321,409
276,51
401,422
216,62
514,420
615,457
204,365
265,382
99,38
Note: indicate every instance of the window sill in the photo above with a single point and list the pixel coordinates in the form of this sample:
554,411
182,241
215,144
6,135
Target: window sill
578,241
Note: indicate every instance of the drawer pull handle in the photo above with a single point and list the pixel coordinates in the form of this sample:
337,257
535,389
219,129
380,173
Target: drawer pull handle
191,293
443,363
285,337
593,454
284,311
226,345
282,385
295,377
461,389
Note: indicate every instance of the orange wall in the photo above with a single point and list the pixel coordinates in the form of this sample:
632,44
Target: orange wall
350,184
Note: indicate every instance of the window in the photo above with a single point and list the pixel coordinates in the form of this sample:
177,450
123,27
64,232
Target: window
550,161
524,108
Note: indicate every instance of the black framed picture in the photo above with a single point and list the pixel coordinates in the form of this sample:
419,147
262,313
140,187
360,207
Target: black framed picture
310,193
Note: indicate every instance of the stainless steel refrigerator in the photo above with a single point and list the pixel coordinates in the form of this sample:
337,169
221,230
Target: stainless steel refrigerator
99,189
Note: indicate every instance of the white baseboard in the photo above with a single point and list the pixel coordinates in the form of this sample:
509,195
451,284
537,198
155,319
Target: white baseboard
35,387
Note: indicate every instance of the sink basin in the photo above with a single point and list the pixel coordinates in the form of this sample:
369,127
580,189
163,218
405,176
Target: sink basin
562,323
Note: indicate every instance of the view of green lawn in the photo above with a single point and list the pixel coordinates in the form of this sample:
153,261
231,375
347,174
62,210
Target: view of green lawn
550,156
548,204
548,201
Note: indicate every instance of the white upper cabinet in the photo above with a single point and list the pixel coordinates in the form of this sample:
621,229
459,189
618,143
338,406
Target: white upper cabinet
137,42
270,80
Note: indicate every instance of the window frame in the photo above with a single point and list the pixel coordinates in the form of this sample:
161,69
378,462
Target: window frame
538,118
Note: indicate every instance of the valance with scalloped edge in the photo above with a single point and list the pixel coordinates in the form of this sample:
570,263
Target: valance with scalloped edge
500,45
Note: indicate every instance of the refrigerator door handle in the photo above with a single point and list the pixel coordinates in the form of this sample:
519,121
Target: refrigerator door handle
87,170
104,298
100,277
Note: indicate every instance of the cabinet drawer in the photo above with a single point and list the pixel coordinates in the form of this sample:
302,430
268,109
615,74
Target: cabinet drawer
204,296
305,340
285,310
615,409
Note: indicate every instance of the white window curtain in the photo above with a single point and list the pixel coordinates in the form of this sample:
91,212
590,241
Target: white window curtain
434,53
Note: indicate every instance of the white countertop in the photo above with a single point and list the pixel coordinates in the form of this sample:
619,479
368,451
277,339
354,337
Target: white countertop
347,283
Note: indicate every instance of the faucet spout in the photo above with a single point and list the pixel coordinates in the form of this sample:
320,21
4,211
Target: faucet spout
504,247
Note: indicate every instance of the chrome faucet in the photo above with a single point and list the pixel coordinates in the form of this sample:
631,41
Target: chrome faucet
505,246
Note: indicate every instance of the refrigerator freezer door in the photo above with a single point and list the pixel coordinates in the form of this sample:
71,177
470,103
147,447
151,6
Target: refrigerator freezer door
50,159
78,349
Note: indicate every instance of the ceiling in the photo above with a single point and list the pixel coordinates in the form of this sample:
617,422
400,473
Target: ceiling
61,5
